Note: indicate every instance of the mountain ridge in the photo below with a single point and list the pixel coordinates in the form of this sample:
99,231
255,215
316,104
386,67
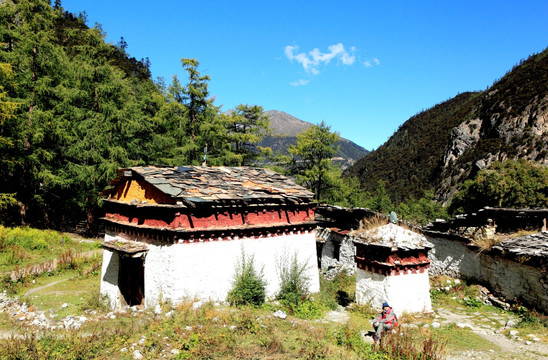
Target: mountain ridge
443,146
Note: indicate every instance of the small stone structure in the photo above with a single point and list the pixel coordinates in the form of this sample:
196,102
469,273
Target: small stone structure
173,233
392,264
337,249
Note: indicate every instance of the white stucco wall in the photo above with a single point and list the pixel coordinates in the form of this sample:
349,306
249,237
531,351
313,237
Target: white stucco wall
406,293
205,270
506,277
109,278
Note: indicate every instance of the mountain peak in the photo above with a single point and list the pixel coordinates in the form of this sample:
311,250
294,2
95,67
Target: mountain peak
285,129
282,123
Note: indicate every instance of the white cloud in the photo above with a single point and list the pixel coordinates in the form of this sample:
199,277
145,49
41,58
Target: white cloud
369,63
312,60
300,82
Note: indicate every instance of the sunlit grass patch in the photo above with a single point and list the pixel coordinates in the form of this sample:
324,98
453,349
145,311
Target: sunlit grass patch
463,339
24,246
72,290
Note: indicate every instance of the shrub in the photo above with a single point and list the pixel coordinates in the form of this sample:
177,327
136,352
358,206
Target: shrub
293,292
293,280
337,291
504,184
308,309
249,284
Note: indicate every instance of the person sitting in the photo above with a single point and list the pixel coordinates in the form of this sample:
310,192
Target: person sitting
385,321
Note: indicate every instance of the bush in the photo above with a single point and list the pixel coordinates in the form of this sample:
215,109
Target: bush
293,293
307,309
338,291
293,280
249,285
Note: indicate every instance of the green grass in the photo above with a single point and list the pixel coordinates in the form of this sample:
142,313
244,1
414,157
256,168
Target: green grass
219,333
74,290
463,339
21,247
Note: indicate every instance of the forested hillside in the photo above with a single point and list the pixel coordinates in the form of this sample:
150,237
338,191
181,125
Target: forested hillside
74,108
443,146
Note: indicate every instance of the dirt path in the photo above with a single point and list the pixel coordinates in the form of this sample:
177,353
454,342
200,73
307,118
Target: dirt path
36,289
489,328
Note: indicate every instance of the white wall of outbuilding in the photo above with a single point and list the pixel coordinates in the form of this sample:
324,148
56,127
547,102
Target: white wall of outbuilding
405,293
205,270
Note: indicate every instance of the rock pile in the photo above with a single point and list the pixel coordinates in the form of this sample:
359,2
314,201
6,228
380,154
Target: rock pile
28,315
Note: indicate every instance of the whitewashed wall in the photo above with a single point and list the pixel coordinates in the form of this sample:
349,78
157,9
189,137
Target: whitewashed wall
409,293
109,278
506,277
205,270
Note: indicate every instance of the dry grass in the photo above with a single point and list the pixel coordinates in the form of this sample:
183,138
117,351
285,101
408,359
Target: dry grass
520,233
367,224
485,244
420,344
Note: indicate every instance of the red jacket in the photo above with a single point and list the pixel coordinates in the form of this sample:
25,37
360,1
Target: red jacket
387,317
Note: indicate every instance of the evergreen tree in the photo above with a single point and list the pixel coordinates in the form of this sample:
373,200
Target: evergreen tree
247,126
381,201
190,117
82,113
311,158
30,38
7,112
195,99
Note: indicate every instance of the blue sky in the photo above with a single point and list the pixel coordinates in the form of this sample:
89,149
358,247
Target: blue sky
363,66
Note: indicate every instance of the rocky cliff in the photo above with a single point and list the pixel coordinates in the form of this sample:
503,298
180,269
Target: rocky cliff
449,143
511,122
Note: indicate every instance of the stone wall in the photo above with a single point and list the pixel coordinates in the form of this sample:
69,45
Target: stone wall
514,277
337,250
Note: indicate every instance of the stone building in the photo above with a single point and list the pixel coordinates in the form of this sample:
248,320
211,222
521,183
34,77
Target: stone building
392,265
174,233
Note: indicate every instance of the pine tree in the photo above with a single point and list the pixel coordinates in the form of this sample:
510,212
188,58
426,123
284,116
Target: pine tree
29,33
7,112
311,158
246,126
83,113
